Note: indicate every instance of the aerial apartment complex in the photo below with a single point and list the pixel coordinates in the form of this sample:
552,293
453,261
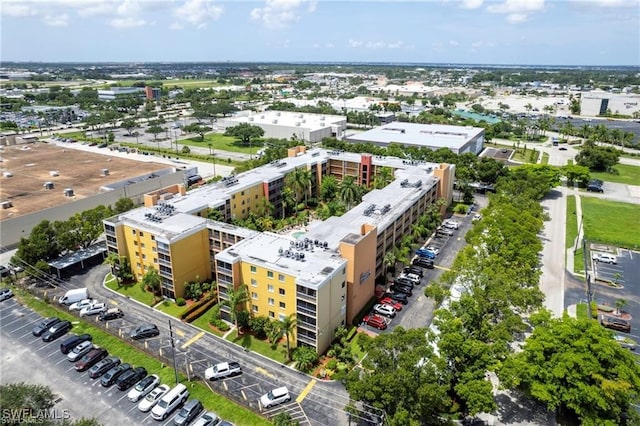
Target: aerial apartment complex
324,274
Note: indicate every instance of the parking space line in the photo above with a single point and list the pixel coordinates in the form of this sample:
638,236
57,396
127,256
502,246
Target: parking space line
306,390
179,332
15,320
192,340
441,267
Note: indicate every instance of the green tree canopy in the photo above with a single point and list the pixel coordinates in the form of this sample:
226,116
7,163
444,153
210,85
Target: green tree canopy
245,132
597,158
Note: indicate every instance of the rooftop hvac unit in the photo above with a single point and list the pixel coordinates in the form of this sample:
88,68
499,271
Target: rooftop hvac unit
104,172
251,119
297,124
304,120
262,116
48,185
68,192
278,114
7,174
274,122
301,115
54,173
6,204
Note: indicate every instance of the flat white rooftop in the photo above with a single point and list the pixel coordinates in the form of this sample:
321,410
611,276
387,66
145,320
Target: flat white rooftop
292,119
169,227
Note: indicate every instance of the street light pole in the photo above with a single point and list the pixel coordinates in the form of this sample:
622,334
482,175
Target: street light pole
588,277
173,351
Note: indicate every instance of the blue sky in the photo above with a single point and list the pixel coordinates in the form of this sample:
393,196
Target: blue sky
561,32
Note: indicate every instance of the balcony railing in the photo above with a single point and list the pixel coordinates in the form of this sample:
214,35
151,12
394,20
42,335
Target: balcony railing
305,311
306,297
307,340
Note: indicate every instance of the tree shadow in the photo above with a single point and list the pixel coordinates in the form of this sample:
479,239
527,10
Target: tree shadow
516,408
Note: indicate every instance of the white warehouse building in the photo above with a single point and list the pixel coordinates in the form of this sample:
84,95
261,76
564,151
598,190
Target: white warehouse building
285,125
459,139
599,102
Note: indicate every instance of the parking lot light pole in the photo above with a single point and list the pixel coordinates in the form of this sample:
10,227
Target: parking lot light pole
588,277
173,351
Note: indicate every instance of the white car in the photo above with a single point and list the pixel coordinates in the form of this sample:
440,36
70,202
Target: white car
476,217
605,258
275,397
384,309
78,306
152,398
79,351
94,309
433,249
143,387
451,224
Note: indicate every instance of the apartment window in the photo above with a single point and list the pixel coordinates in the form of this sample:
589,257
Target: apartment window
153,238
270,288
137,254
253,269
256,196
155,260
141,234
281,278
133,231
144,256
271,301
344,271
254,295
281,291
135,243
281,317
269,274
254,308
153,249
283,305
242,193
343,283
137,264
271,314
254,283
142,245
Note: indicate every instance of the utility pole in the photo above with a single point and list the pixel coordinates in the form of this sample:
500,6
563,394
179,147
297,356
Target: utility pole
173,351
588,277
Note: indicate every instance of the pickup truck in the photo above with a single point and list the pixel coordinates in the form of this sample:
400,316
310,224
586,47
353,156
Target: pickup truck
222,370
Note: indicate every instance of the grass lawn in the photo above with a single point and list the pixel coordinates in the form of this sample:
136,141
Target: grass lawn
221,142
203,323
355,349
262,347
225,408
545,158
581,311
134,291
178,82
598,226
572,222
626,174
524,156
169,307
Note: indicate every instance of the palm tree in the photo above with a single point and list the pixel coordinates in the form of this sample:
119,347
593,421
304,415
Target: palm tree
152,280
288,201
236,297
287,326
383,177
349,191
264,208
389,262
300,182
620,303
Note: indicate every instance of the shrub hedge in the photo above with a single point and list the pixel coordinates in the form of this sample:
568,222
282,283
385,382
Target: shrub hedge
204,307
194,306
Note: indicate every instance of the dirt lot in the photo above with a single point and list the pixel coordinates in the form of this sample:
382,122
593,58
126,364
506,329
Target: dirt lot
82,171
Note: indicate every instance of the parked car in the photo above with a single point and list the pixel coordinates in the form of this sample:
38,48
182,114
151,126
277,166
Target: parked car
94,309
57,330
389,301
71,342
386,310
399,297
169,402
112,375
130,378
188,412
5,293
275,397
413,278
145,386
103,366
110,314
476,217
423,252
399,288
79,351
596,182
451,224
626,342
404,281
615,323
423,262
144,331
208,419
594,188
44,325
444,231
152,398
77,306
563,148
375,321
222,370
413,270
4,271
605,258
91,358
435,250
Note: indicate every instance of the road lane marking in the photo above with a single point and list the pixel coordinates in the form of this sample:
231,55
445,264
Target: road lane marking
264,371
306,390
179,332
192,340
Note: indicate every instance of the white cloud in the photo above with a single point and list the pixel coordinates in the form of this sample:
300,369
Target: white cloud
198,12
176,26
610,3
128,8
56,20
281,13
516,10
476,44
356,44
126,23
453,43
329,45
16,9
471,4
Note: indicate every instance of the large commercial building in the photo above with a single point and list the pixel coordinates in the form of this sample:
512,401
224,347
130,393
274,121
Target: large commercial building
599,103
324,275
119,92
286,125
458,139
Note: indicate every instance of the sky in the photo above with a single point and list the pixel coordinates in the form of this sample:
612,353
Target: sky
526,32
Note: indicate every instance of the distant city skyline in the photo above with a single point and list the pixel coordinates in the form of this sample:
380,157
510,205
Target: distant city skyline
505,32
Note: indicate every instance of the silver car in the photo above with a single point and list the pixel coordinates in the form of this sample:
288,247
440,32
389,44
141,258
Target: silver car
79,351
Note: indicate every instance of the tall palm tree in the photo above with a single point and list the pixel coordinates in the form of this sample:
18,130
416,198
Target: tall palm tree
349,191
236,297
389,262
383,177
264,208
152,280
287,326
299,181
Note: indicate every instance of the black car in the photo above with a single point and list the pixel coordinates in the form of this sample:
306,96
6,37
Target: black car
594,188
130,378
44,325
112,375
398,297
413,270
4,271
399,288
103,366
71,342
405,282
57,330
110,314
144,331
92,357
423,262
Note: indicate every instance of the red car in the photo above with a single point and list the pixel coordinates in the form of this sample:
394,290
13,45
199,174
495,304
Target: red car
389,301
375,321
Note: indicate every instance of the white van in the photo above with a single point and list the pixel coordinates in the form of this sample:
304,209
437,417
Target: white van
73,296
275,397
170,402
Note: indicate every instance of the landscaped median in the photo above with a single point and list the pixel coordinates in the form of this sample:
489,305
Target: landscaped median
222,406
